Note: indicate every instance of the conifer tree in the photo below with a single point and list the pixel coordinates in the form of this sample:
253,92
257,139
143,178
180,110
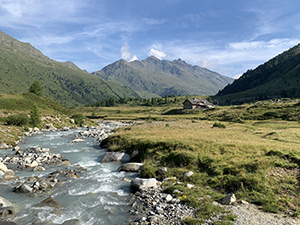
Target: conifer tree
36,88
35,118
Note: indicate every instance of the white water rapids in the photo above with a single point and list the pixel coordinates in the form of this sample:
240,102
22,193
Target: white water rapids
99,196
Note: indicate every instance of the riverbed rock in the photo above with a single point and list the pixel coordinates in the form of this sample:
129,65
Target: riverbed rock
3,167
151,206
229,199
116,157
23,188
38,168
5,146
65,163
77,140
131,167
72,222
141,183
6,208
49,202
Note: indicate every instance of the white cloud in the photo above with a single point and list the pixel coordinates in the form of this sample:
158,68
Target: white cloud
157,53
133,58
232,59
126,54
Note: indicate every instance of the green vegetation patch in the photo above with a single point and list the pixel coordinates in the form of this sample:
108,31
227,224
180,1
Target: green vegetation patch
238,159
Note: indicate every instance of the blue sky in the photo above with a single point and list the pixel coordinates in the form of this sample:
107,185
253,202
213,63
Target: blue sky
227,36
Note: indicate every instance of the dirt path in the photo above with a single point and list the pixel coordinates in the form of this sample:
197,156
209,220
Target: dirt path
250,214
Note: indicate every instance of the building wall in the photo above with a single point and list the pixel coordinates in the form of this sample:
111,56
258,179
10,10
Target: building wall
188,105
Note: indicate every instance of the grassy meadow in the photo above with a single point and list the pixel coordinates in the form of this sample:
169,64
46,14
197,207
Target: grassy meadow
256,156
252,150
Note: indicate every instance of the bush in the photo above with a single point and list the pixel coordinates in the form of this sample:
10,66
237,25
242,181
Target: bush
78,118
17,120
219,125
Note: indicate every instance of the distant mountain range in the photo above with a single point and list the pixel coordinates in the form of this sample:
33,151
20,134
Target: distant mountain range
277,78
154,77
21,64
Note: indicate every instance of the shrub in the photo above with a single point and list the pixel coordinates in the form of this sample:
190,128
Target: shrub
78,118
219,125
17,120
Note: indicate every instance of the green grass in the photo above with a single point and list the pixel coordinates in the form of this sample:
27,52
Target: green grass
238,159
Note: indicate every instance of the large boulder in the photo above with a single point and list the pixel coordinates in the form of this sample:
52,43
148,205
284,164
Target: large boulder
116,157
229,199
141,183
3,167
131,167
6,208
49,202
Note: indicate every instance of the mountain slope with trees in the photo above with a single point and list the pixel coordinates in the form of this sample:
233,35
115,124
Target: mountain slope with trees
277,78
163,77
21,64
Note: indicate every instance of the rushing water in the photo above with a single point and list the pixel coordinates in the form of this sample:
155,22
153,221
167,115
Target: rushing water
99,196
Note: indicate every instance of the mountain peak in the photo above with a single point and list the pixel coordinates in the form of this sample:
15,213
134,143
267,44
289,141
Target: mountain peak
179,61
152,58
163,77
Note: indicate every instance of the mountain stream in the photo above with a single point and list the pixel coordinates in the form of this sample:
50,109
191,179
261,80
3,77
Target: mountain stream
99,196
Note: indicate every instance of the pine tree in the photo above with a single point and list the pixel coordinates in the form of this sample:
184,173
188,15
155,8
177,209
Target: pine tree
36,88
35,118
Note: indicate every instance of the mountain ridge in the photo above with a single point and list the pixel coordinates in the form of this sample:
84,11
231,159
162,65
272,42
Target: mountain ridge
279,77
21,64
164,77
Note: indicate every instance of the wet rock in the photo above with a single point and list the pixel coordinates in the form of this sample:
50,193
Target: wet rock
4,146
65,129
71,222
33,164
7,209
23,188
131,167
65,163
38,168
3,167
7,223
77,140
116,157
33,157
229,199
49,202
141,183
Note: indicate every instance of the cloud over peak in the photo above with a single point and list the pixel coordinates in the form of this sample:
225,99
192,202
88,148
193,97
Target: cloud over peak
157,53
126,54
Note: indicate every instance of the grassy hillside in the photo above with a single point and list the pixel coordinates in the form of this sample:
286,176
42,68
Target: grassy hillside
21,64
277,78
163,77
